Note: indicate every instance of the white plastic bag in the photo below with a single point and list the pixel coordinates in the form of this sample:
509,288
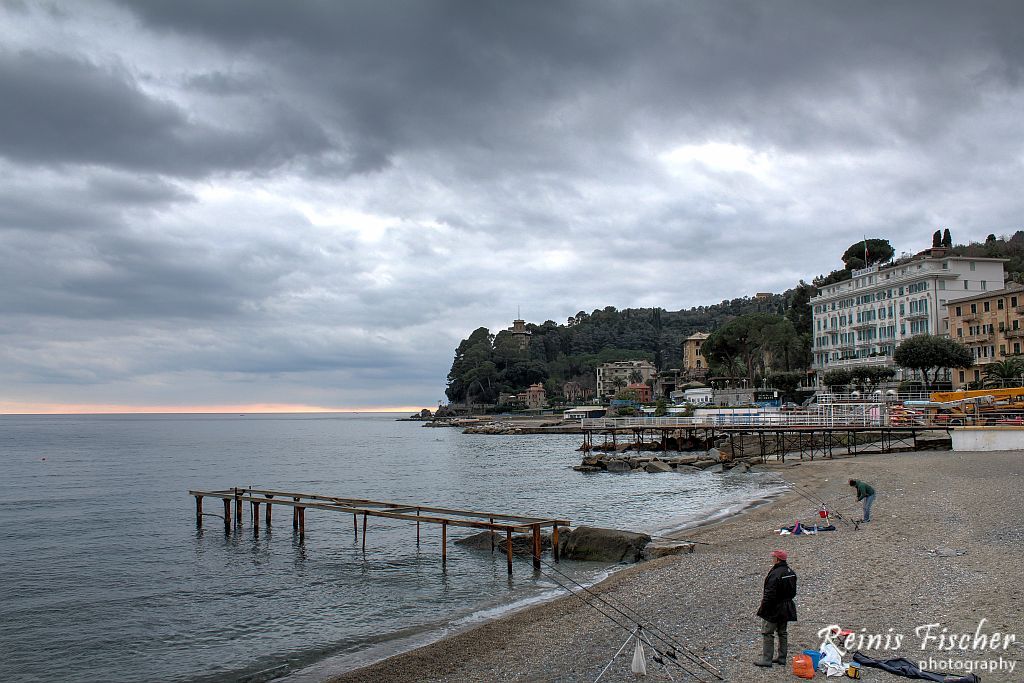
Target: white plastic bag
831,660
639,662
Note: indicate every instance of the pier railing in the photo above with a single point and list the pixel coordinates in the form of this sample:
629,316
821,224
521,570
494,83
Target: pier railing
835,416
765,420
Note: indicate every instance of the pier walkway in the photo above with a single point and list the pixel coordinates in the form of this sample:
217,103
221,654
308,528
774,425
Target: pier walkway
767,433
360,507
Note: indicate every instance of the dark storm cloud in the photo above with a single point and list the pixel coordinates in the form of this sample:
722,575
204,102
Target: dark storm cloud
60,109
316,200
496,75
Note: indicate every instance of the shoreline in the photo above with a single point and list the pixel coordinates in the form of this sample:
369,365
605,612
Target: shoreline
721,582
323,670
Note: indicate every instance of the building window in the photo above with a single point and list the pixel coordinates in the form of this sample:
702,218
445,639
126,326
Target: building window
1016,347
984,285
974,308
972,265
985,306
959,331
958,311
966,282
1002,349
999,304
961,377
1013,301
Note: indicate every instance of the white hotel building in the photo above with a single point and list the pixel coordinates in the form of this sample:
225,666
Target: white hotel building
861,321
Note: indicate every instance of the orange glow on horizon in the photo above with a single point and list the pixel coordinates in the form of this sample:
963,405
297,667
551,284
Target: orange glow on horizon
11,408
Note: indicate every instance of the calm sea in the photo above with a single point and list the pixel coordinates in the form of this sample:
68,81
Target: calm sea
104,576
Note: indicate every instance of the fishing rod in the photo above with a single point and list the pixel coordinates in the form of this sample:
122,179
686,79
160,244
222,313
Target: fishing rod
660,656
679,540
831,509
659,633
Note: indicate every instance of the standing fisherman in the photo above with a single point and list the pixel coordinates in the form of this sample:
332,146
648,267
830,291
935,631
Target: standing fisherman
777,609
865,492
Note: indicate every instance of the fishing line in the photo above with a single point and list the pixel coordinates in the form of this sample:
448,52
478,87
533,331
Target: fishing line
618,623
659,633
818,501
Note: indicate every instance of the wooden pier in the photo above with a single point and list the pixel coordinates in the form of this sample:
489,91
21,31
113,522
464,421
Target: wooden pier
496,523
796,434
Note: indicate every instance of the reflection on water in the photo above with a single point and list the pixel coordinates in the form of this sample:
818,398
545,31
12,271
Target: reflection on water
107,578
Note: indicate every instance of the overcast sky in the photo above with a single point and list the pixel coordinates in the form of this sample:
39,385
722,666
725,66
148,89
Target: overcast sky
224,203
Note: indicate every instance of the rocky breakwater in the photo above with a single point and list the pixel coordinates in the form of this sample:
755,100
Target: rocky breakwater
714,461
510,427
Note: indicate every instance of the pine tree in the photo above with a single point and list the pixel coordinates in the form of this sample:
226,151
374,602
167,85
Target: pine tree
937,239
947,241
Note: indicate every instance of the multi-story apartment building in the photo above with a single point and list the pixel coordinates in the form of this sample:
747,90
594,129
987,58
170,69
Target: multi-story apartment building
991,325
861,321
608,375
694,364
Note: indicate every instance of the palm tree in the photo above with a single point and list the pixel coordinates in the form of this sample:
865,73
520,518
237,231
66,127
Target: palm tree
999,373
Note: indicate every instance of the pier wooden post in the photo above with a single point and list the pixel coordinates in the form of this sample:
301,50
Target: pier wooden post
238,508
302,521
295,515
364,532
508,549
417,528
269,508
537,547
199,512
255,515
554,542
444,542
355,525
491,520
227,514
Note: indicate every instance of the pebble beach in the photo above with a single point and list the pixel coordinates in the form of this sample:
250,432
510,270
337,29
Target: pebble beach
943,548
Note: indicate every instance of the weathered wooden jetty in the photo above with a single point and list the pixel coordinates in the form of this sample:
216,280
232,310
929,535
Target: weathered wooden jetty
496,523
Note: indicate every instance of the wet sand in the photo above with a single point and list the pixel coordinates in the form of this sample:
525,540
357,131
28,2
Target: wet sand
882,579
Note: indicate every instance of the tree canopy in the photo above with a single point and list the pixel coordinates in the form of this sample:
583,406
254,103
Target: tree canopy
486,365
756,343
878,251
931,355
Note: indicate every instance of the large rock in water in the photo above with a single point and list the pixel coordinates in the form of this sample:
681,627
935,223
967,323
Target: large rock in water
594,544
521,543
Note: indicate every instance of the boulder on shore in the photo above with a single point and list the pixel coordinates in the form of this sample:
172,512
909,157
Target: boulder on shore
658,466
655,550
594,544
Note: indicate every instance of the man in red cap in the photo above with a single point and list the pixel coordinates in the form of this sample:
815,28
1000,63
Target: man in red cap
777,609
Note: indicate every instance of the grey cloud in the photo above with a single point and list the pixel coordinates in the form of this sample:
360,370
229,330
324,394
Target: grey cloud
136,190
60,109
153,213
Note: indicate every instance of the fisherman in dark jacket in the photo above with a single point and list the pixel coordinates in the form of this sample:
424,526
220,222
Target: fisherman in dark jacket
777,609
865,492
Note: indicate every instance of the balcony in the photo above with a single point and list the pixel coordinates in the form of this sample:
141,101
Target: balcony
1013,334
871,361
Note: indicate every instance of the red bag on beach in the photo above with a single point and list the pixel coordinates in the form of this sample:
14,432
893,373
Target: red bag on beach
803,666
